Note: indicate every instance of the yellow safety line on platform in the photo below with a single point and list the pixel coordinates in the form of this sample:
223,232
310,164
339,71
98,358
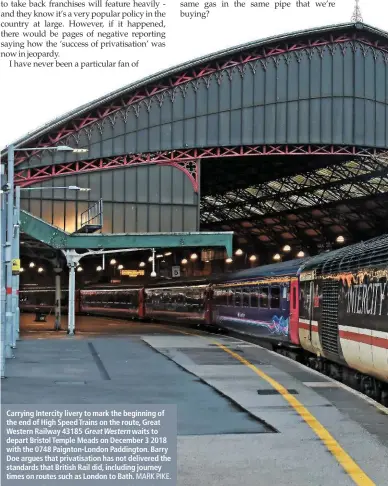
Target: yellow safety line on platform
354,471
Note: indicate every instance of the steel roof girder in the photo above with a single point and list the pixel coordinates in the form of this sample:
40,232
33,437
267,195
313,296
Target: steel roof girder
348,177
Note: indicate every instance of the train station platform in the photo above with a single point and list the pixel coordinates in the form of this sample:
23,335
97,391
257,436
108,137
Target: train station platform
245,415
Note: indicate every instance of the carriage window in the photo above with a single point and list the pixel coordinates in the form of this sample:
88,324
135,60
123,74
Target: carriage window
275,298
237,298
231,297
254,297
264,297
223,297
246,297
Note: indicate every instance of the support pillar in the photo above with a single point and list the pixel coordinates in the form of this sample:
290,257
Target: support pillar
58,297
2,273
16,278
8,255
72,258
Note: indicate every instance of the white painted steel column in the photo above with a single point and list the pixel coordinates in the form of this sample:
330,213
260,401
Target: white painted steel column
71,316
16,278
8,255
58,297
2,273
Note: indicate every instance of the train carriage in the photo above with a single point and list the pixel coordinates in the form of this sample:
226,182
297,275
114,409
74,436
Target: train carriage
114,301
344,308
184,302
261,301
33,297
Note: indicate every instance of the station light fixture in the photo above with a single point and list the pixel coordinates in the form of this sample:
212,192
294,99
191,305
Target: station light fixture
79,269
239,252
287,248
168,253
76,188
40,269
159,256
300,254
21,269
340,239
277,257
193,256
99,268
229,260
120,267
150,259
253,258
142,264
113,261
32,265
65,148
184,261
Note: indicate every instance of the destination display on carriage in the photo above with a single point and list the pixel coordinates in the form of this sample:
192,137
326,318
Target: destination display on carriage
132,273
54,445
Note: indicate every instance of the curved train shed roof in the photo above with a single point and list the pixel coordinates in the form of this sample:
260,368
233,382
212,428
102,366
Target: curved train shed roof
168,73
304,198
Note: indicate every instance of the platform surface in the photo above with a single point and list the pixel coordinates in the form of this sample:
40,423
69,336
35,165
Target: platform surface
234,426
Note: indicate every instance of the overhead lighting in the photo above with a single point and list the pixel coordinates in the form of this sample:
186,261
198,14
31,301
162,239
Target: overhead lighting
113,261
300,254
239,252
99,268
193,256
228,260
168,253
21,269
79,269
277,257
159,256
150,259
32,265
120,267
184,261
142,264
40,269
287,248
340,239
253,258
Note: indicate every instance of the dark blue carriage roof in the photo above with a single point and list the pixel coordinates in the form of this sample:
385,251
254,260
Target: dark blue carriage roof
280,269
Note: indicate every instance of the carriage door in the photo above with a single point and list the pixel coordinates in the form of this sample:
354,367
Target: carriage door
294,311
310,310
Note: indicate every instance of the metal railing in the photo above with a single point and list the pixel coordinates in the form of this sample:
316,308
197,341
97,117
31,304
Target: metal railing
93,216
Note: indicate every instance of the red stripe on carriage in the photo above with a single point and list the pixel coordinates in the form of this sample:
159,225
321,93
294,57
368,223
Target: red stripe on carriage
365,339
305,326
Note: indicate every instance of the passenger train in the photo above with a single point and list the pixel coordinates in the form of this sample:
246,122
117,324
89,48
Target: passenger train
329,311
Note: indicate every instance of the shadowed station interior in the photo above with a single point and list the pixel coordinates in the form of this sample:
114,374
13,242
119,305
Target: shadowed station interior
249,191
